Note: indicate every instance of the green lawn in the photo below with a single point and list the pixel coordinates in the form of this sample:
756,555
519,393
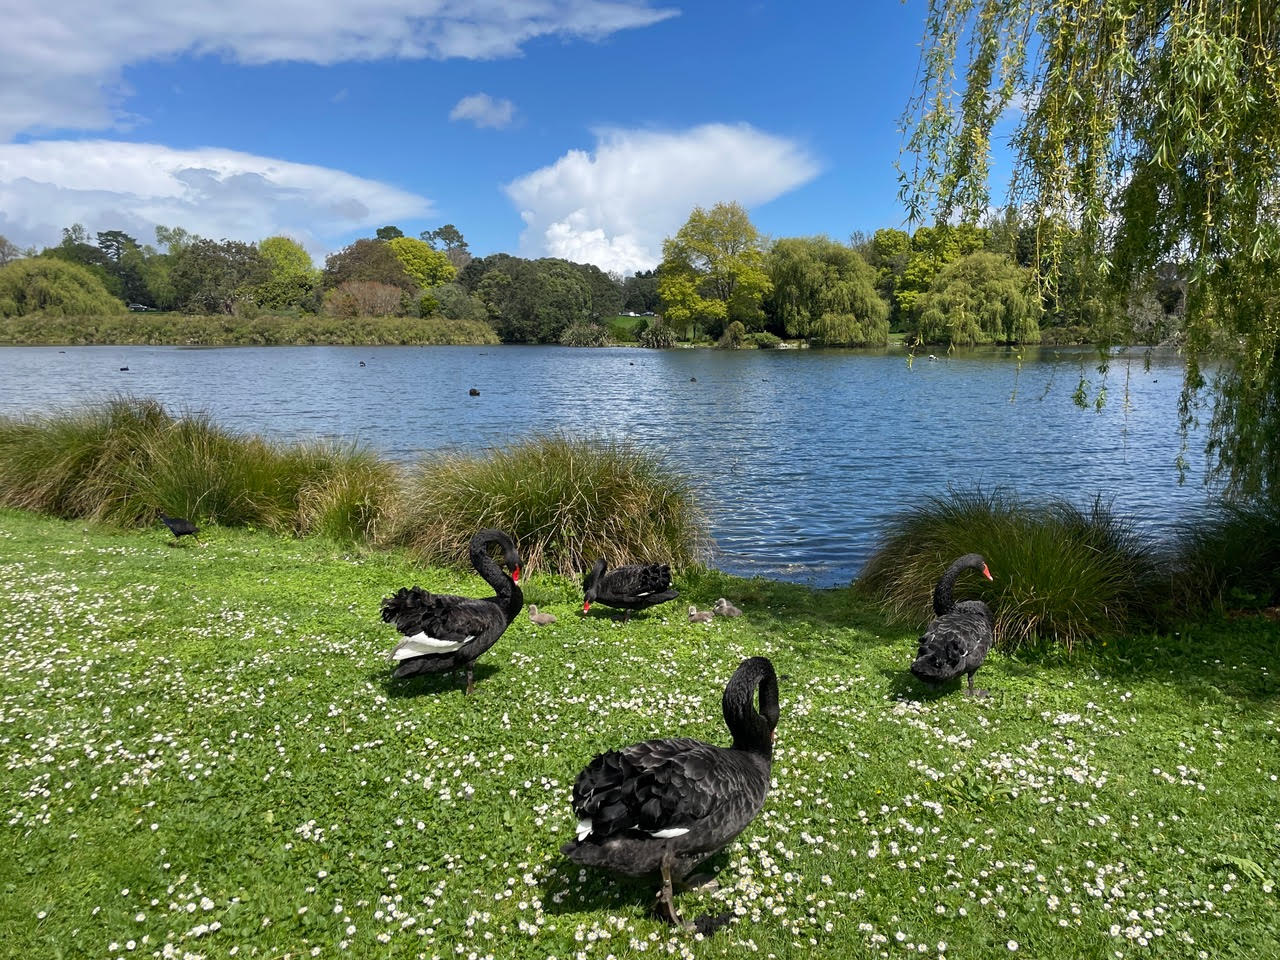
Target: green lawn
203,755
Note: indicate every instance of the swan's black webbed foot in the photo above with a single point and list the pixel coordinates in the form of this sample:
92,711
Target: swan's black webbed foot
971,692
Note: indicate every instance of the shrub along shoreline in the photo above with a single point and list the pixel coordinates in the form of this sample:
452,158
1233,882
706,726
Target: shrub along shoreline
225,330
1065,576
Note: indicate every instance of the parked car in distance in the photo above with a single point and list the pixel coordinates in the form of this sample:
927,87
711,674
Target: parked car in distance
138,307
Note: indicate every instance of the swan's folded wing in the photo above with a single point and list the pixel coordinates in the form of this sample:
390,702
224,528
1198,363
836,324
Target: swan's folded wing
659,788
434,624
638,580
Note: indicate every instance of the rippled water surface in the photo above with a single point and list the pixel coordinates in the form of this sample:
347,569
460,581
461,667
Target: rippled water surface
800,455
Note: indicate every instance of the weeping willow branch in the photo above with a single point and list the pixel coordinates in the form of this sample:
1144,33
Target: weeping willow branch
1154,129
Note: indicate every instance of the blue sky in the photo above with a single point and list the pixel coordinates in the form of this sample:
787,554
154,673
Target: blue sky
579,128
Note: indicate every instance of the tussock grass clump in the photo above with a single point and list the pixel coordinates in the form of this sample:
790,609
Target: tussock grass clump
1062,573
121,461
1229,557
566,501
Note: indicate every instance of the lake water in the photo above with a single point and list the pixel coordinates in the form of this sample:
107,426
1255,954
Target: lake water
800,455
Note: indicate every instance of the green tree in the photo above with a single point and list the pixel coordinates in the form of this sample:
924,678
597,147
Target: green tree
825,291
427,267
713,270
389,233
56,287
371,261
8,251
980,298
210,276
1156,127
449,239
173,239
291,278
640,292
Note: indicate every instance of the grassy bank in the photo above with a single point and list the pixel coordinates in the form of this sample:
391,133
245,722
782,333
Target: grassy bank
204,755
224,330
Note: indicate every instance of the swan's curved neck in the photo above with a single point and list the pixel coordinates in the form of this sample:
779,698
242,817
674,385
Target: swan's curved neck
943,600
752,729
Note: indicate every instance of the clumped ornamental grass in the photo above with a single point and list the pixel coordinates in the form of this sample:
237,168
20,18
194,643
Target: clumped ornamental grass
122,460
567,502
1229,558
1062,573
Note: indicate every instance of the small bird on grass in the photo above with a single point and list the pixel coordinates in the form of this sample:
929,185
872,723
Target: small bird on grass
541,619
180,527
700,616
724,608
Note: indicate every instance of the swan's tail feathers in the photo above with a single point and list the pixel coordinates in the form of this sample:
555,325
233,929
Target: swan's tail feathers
421,645
406,607
939,659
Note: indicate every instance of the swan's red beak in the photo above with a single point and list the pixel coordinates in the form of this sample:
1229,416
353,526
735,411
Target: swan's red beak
586,605
987,573
515,575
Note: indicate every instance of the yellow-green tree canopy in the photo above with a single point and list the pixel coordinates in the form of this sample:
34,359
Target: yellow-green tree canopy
981,298
825,291
291,276
428,267
713,269
1155,126
55,287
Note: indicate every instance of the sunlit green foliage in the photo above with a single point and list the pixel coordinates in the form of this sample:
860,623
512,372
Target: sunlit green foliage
1156,127
53,287
428,267
713,271
824,291
982,298
291,277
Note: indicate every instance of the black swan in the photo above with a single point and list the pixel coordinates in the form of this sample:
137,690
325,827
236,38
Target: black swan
662,806
179,526
444,632
633,587
958,638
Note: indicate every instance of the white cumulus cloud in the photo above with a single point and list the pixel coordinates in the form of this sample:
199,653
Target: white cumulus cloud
61,63
110,185
484,111
613,207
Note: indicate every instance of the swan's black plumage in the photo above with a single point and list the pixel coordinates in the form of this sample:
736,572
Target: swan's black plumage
661,806
636,586
957,640
445,632
180,526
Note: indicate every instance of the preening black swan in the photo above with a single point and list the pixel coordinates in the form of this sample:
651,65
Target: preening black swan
444,632
662,806
958,638
179,526
633,587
